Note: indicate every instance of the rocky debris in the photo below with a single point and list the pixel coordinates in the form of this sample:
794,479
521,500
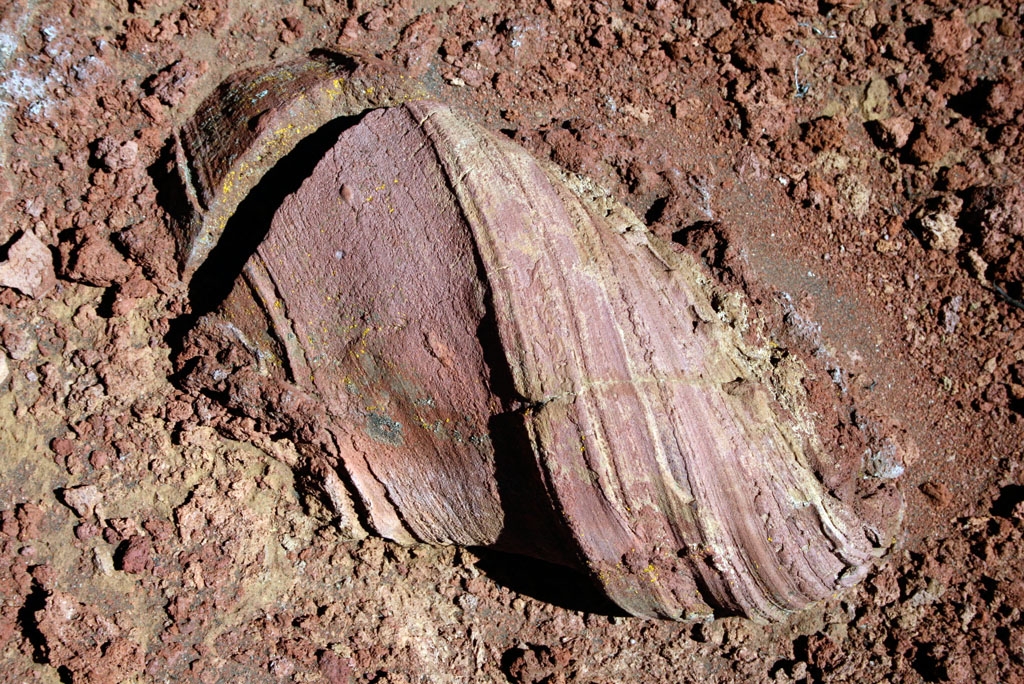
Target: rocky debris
388,613
894,132
81,639
82,499
117,156
937,220
95,261
28,267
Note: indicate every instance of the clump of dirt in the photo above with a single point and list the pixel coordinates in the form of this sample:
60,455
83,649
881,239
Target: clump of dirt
862,161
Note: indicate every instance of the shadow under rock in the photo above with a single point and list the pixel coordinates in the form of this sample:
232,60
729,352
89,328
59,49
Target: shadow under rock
547,582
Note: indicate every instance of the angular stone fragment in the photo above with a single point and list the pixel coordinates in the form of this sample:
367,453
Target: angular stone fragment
937,220
82,499
86,640
893,132
28,267
485,350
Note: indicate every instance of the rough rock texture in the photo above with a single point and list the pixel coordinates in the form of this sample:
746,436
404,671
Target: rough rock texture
250,580
263,113
480,345
79,638
28,267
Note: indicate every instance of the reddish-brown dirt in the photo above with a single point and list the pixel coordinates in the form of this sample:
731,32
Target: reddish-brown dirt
857,167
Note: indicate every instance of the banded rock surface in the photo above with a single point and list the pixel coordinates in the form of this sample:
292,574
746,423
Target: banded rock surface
476,348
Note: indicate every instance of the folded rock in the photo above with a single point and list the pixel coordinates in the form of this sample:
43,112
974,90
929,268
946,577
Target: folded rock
476,348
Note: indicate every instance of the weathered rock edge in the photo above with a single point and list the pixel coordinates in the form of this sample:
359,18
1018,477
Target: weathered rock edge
255,118
515,361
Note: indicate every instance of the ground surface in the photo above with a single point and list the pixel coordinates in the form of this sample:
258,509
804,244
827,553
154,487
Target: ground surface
861,163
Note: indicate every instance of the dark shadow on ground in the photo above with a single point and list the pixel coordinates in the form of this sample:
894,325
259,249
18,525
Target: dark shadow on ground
535,554
547,582
1009,497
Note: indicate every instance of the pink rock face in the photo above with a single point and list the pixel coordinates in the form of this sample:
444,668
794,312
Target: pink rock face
477,349
253,119
28,267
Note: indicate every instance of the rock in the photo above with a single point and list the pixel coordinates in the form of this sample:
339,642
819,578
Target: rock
471,321
19,342
29,515
117,156
1002,101
172,84
130,293
930,144
102,560
938,222
876,99
893,133
959,669
766,18
994,209
62,446
29,267
949,315
153,108
950,36
711,632
926,595
977,266
97,262
4,370
993,218
937,492
530,664
291,98
885,463
82,500
430,465
138,555
823,652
